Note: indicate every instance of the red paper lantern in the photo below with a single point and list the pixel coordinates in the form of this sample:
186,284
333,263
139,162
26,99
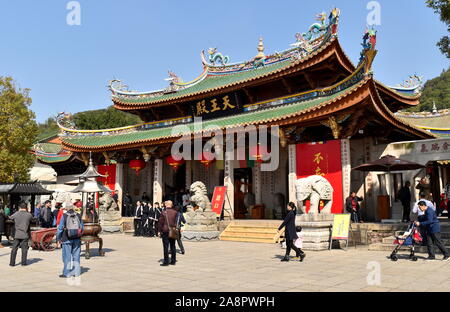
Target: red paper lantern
259,152
206,158
175,164
137,165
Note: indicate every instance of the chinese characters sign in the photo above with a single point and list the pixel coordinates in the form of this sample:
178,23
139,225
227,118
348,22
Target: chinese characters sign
323,159
218,106
218,199
433,147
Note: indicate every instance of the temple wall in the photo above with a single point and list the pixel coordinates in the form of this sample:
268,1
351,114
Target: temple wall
273,182
137,184
366,184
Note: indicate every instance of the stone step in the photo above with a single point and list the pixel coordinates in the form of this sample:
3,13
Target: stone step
247,239
242,229
390,247
231,233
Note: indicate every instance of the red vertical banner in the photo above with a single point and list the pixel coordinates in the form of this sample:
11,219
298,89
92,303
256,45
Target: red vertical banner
323,159
218,199
110,173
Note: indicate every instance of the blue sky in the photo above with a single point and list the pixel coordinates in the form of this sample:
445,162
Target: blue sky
68,68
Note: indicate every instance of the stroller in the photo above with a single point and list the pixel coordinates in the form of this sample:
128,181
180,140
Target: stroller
408,238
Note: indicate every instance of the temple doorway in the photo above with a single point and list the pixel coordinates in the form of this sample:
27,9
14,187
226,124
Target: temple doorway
243,180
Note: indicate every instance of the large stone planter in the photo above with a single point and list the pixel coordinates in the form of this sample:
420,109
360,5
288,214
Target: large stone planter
111,221
316,230
201,226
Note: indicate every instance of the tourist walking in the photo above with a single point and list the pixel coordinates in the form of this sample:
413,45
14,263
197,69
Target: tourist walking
424,187
37,211
432,230
2,224
158,212
46,216
180,223
138,219
352,206
421,215
127,205
145,223
152,220
69,233
166,221
22,220
55,214
290,233
404,195
145,197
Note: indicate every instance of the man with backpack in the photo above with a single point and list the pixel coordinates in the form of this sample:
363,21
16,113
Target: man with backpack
69,234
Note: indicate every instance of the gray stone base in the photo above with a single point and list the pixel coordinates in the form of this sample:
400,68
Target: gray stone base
111,229
200,236
316,230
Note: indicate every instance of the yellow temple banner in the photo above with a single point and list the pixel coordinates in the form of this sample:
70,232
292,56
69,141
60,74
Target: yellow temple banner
341,226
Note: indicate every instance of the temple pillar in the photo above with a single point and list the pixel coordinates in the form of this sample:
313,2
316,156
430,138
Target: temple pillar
229,183
157,181
257,178
119,184
292,174
188,174
346,168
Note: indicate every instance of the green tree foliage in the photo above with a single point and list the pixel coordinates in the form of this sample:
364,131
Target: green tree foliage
442,7
47,129
104,119
18,131
437,90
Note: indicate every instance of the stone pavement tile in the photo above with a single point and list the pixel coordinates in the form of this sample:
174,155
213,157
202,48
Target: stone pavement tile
375,289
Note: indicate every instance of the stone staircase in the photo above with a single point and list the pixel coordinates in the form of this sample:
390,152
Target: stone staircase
387,243
255,231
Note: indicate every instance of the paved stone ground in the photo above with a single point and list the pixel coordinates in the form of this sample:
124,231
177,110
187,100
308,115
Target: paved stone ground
132,264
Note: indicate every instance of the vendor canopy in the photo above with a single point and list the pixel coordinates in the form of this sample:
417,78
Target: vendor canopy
24,189
389,163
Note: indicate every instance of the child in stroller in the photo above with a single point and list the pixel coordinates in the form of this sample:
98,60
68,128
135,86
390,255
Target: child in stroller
409,238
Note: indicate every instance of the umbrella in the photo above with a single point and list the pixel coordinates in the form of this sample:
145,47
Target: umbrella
389,163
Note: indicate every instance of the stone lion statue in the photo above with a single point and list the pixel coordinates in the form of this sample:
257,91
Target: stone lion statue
315,188
107,203
199,197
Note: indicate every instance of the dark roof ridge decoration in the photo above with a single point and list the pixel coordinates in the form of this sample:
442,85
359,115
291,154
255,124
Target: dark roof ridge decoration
412,86
318,35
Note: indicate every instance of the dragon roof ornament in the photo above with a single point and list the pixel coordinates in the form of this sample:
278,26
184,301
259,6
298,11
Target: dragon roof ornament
215,63
412,85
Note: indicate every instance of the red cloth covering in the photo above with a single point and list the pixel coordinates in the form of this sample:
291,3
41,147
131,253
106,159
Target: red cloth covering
59,216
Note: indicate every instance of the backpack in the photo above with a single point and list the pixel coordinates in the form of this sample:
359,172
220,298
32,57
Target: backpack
73,226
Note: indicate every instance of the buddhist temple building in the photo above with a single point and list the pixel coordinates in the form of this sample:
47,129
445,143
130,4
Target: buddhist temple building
330,115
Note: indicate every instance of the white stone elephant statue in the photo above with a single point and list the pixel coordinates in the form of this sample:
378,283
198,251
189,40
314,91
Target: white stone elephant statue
315,188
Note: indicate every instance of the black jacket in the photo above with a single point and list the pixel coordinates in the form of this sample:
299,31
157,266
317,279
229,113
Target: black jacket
404,195
2,223
348,203
289,222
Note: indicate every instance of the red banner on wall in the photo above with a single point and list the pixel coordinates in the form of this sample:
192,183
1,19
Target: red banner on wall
110,173
323,159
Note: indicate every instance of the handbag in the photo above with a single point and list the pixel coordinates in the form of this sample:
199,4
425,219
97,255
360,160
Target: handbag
173,232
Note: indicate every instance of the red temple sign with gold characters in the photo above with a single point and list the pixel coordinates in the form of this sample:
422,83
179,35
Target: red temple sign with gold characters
322,159
218,199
